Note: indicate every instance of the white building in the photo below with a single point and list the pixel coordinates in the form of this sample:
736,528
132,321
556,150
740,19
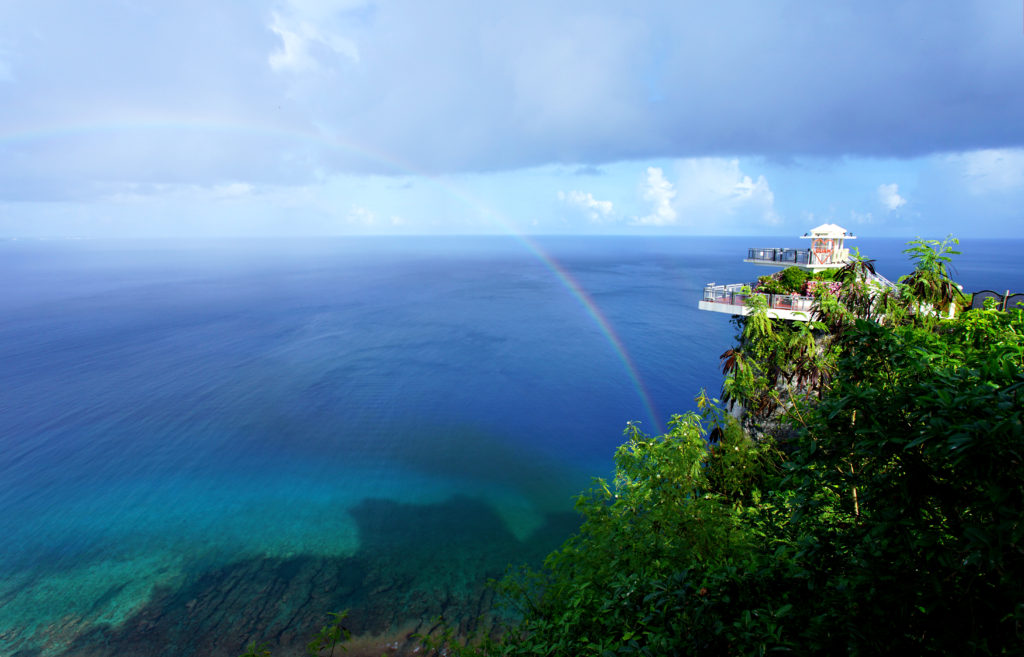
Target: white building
827,251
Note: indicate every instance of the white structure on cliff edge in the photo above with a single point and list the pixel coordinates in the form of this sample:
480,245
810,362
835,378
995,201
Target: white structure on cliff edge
827,251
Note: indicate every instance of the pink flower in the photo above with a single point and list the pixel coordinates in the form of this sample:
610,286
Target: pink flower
832,287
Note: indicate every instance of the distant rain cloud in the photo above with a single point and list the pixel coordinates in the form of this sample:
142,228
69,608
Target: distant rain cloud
993,170
312,104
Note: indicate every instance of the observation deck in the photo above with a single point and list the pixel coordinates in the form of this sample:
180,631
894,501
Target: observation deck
779,257
731,300
827,251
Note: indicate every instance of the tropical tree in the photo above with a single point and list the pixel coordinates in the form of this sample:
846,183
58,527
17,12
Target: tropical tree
929,286
774,364
858,296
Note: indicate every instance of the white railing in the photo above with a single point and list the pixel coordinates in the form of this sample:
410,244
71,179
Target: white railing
733,295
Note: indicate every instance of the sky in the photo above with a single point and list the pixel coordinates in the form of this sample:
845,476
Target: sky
123,118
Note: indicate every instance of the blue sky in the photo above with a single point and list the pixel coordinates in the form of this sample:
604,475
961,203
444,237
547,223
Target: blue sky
332,117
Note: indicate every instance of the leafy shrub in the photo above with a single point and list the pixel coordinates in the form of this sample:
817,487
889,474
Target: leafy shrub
788,281
793,278
824,275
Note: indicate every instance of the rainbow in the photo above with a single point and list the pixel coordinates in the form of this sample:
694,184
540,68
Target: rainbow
389,163
599,318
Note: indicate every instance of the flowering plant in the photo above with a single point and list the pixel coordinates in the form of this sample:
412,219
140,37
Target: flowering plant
826,287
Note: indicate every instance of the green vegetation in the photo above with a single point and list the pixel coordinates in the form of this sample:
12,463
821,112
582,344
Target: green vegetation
930,282
871,501
330,637
791,280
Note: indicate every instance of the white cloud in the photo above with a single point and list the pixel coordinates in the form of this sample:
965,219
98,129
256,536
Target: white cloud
659,192
889,196
596,210
299,39
992,170
362,216
714,189
293,54
755,193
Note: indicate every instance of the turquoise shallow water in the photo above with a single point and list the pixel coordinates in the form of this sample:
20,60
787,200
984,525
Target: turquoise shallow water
213,442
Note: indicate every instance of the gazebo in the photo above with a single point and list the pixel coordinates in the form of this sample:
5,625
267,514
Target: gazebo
827,246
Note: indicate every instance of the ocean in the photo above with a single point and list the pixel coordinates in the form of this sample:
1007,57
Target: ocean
214,442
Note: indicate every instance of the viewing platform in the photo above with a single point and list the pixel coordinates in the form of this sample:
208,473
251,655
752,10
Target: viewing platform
731,300
827,251
782,257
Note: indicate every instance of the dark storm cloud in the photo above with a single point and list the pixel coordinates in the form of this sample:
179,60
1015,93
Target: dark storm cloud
202,92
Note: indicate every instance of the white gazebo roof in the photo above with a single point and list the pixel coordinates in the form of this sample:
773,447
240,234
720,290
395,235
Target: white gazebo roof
827,230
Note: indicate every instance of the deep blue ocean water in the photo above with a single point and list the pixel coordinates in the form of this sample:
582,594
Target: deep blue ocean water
206,443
